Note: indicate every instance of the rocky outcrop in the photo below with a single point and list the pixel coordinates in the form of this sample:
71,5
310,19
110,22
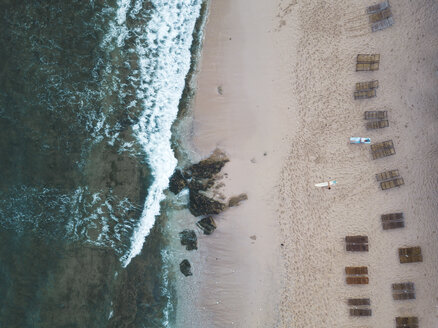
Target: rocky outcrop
185,268
189,239
235,201
200,204
207,225
177,182
204,191
200,185
207,168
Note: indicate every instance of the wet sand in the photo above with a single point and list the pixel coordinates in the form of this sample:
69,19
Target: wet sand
275,91
243,106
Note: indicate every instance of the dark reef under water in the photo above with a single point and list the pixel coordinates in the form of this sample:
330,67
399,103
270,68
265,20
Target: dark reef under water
60,166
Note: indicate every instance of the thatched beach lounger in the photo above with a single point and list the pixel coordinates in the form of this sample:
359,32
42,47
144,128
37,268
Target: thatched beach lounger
403,286
392,221
381,25
382,145
406,322
378,7
357,247
382,149
376,115
403,291
358,301
356,243
363,67
360,312
360,307
356,275
368,58
364,86
392,225
380,16
403,296
383,153
357,280
410,254
356,270
387,175
367,62
365,94
392,183
377,124
357,239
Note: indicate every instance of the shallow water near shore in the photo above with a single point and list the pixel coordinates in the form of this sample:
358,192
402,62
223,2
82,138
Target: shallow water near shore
88,93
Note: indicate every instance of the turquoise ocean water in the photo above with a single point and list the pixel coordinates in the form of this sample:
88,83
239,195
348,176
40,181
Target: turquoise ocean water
88,94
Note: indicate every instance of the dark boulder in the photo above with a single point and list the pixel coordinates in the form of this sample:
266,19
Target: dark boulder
203,184
207,168
185,268
200,204
186,174
207,225
189,239
177,182
235,201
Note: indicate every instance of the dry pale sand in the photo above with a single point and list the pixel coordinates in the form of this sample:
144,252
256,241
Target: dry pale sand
277,77
314,222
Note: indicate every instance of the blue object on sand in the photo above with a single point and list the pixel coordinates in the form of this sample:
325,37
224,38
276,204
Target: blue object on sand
359,140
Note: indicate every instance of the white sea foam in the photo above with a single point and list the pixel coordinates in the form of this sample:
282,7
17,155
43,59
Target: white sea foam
166,286
123,6
164,57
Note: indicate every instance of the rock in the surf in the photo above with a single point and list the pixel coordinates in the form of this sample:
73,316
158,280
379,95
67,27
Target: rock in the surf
200,204
207,168
235,201
185,268
207,225
189,239
177,182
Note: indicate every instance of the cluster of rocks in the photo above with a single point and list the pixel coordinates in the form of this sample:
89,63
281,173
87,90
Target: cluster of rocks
189,239
203,201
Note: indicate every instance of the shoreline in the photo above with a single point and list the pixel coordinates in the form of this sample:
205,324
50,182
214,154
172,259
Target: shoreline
237,270
275,93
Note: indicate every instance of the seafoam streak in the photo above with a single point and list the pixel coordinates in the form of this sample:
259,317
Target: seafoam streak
163,47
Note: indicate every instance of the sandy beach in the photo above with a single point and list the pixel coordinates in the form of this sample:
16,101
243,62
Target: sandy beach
275,92
243,106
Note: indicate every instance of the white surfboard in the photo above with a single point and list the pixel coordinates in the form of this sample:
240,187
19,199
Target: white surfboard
325,184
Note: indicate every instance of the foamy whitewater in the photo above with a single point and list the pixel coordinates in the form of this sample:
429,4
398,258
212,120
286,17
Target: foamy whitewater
159,58
88,95
163,47
159,61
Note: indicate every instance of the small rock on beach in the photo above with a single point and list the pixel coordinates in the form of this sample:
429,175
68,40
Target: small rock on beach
235,201
207,225
189,239
185,268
